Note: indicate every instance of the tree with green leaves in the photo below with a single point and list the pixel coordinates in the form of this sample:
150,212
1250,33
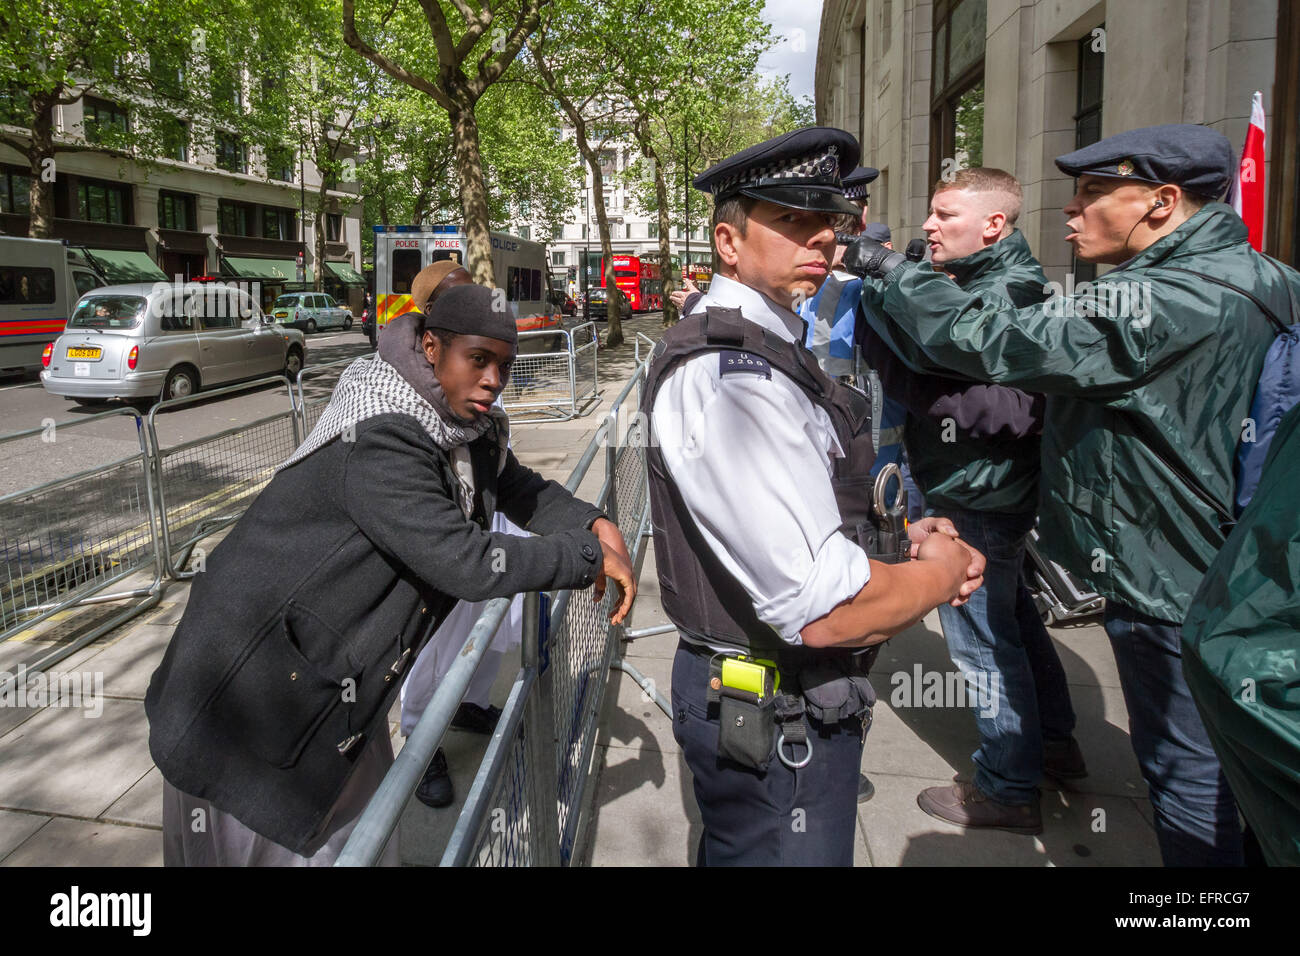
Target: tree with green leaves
454,58
134,67
670,77
572,62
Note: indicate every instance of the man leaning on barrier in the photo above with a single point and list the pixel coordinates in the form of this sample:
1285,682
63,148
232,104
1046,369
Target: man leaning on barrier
761,499
268,713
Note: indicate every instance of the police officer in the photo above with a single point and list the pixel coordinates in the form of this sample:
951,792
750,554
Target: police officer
1149,374
758,553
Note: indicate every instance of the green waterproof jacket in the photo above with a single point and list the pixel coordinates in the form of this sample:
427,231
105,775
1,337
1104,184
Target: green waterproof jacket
1149,375
1241,653
953,470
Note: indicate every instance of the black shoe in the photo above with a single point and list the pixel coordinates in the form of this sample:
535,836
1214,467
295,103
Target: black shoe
866,789
476,719
435,788
1063,759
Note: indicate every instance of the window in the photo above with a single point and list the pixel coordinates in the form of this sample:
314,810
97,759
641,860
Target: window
173,319
557,258
277,223
103,202
957,106
232,154
228,83
279,163
406,263
85,281
234,218
652,230
1087,123
104,121
176,211
167,70
15,192
21,285
334,227
13,108
607,162
175,136
525,232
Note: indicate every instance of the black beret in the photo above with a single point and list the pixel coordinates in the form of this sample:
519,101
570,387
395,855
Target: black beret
800,169
1197,158
474,310
856,182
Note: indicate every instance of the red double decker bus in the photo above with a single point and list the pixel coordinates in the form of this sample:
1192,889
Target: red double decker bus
640,280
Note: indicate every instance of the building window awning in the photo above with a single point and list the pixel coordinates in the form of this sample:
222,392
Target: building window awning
120,266
268,270
344,272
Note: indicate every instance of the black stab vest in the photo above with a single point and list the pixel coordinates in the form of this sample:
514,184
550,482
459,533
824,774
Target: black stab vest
698,593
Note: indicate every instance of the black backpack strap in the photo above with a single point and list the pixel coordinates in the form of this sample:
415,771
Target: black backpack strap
1259,303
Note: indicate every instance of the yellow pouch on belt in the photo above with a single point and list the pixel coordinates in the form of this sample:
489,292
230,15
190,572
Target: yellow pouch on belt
757,678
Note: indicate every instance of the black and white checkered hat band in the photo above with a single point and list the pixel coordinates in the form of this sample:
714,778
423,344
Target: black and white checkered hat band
825,164
855,192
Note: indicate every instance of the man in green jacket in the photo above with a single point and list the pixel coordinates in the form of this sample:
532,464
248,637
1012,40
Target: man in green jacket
1242,653
1149,373
974,451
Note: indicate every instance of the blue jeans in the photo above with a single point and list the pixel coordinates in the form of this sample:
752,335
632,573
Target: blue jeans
998,641
1195,813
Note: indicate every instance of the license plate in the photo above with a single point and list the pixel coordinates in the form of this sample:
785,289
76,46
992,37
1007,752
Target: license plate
86,353
81,368
282,315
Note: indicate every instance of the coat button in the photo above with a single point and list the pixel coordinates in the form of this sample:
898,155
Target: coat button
424,610
293,675
588,552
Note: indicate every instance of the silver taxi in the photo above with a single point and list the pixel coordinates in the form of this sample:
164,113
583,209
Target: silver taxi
310,311
154,341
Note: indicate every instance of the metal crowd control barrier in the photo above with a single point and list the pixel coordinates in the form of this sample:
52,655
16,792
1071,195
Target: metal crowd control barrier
530,800
206,484
553,385
67,539
309,412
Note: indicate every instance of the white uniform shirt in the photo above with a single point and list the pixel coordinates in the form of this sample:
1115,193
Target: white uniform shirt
751,457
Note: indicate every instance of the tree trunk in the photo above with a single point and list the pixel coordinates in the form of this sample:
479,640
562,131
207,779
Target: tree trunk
473,196
668,279
40,194
318,283
665,253
613,298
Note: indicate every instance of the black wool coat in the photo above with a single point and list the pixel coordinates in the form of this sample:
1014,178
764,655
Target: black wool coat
296,635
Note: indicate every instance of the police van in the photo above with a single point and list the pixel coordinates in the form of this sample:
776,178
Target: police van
40,282
519,267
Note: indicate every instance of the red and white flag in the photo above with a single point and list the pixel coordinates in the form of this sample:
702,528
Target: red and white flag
1248,190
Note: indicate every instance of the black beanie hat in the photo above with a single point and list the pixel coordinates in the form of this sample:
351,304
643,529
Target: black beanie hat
474,310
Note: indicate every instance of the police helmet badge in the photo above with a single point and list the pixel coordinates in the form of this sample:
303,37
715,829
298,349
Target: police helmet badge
1125,167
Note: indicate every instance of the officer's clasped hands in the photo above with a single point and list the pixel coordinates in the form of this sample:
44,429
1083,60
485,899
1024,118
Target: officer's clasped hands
935,539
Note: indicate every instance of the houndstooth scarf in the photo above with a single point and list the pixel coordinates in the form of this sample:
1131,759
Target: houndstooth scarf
370,387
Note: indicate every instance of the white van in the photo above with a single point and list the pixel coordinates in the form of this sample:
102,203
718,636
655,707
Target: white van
40,282
519,268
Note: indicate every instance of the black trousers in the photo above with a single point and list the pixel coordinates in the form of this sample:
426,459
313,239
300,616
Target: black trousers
781,817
